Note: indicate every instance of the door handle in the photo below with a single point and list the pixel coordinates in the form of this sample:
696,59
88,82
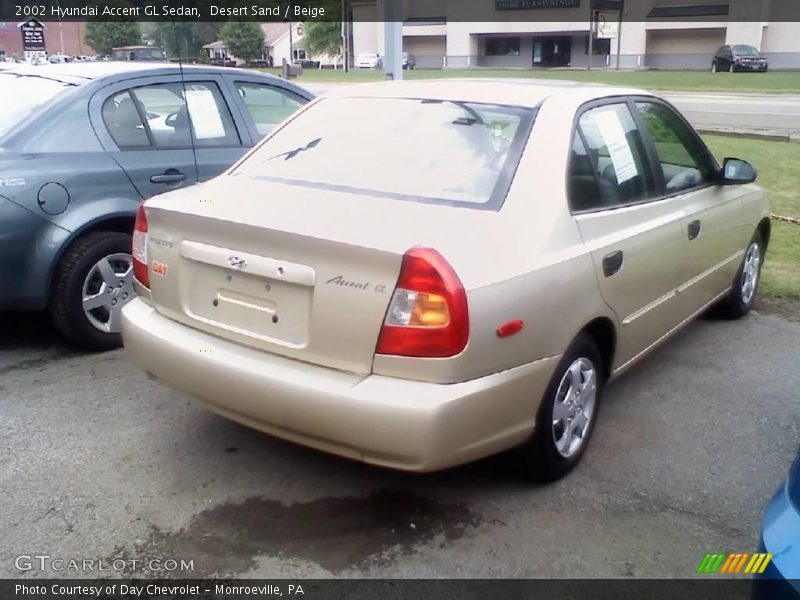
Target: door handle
612,263
694,230
169,176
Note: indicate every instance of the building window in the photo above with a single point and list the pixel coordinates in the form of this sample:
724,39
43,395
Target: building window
600,46
299,54
502,46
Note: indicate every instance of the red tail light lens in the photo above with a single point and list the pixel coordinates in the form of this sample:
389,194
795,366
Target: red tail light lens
139,250
428,315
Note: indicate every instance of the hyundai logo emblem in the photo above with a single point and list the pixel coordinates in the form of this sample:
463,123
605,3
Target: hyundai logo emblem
237,262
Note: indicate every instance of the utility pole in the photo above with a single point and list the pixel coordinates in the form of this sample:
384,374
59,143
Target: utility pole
619,30
345,36
291,43
393,40
591,37
60,28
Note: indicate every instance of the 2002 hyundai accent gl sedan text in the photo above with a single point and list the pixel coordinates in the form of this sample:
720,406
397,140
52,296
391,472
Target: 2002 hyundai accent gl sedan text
422,274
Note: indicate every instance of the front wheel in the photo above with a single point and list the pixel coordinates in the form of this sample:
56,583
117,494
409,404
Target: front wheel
93,281
742,295
567,414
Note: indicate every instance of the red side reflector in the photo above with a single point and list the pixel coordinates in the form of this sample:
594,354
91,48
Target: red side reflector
510,328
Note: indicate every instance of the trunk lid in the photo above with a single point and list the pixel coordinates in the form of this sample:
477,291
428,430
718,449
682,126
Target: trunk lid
301,272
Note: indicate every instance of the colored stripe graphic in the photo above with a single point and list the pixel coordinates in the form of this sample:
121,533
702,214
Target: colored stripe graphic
734,563
758,563
711,562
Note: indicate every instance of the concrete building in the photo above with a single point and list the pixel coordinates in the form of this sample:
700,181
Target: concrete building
668,34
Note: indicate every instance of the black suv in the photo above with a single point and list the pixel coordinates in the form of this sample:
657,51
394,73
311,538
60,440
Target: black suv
738,58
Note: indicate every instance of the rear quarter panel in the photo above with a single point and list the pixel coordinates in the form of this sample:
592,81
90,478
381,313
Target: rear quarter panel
528,263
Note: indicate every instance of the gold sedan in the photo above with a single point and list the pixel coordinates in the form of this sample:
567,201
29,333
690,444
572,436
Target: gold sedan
418,275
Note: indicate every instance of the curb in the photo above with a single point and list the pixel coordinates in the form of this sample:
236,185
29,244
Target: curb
769,136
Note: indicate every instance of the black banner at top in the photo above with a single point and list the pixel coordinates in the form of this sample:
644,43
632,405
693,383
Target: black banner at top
431,11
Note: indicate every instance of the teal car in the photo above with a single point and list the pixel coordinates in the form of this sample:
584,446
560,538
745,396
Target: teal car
82,144
780,537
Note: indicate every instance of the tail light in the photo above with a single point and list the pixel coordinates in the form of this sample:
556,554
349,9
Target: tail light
139,250
428,314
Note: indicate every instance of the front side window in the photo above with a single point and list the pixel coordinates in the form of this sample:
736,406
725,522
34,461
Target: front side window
432,151
683,159
267,105
503,46
612,148
171,115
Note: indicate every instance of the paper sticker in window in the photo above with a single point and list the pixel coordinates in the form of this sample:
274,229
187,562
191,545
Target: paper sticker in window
203,110
617,144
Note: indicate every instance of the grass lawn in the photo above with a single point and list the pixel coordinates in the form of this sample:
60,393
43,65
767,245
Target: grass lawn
778,165
694,81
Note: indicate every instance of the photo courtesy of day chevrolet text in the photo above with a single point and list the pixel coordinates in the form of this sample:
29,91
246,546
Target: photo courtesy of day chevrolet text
148,590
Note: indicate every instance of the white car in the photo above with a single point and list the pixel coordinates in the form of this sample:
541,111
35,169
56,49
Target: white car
368,61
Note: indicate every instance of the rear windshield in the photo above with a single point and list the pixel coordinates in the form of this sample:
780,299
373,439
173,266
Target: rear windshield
433,151
22,95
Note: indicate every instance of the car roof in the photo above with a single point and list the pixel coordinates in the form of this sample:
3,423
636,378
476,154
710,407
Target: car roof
77,73
513,92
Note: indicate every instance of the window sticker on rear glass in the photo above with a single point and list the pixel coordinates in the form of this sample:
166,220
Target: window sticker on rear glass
205,115
617,144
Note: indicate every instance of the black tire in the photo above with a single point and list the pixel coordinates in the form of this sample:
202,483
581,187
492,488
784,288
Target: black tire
732,68
541,458
733,305
66,308
714,67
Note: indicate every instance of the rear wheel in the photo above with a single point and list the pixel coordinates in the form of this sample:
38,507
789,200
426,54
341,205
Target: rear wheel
567,414
742,295
93,281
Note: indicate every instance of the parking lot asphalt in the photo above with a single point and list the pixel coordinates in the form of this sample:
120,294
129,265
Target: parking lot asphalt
99,462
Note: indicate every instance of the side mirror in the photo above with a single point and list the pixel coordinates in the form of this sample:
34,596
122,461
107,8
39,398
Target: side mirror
736,172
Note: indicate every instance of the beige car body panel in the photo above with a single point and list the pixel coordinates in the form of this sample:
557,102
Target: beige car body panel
325,263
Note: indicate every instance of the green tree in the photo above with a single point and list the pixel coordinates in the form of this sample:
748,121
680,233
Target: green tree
105,35
245,39
181,39
322,37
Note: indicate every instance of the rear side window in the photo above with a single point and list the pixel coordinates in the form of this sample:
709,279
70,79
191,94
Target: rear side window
268,105
21,96
683,159
609,150
170,115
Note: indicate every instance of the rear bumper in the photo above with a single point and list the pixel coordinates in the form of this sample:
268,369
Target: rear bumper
396,423
29,244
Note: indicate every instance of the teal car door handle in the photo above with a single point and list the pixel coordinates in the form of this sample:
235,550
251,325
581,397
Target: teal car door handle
169,176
